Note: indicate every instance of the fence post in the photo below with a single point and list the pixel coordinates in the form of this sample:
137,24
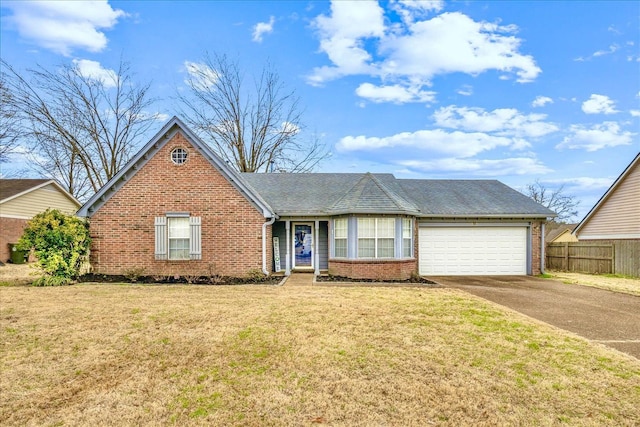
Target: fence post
566,256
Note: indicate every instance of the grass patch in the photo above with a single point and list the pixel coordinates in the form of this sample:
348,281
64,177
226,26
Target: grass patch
261,355
610,282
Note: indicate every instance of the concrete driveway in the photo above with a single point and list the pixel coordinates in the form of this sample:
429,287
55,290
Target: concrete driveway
610,318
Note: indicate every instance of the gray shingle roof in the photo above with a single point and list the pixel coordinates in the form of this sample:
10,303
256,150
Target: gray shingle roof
337,193
483,198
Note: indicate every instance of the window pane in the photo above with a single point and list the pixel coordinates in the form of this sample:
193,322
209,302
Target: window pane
340,226
406,228
386,248
366,227
406,238
386,227
366,248
340,248
179,228
406,248
178,248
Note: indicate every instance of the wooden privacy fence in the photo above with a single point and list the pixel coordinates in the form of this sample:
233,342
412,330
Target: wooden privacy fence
612,256
580,257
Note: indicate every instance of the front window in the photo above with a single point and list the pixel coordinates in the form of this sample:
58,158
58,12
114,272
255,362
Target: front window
178,238
376,237
407,238
340,237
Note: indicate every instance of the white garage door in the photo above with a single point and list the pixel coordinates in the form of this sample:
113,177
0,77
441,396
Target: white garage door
473,250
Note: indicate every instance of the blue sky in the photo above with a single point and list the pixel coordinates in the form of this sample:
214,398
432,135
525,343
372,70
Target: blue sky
514,91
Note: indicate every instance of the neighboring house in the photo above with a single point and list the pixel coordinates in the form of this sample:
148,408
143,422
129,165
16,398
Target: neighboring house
177,208
615,219
560,233
22,199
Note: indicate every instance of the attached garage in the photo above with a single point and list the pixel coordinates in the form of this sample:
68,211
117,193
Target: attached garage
473,250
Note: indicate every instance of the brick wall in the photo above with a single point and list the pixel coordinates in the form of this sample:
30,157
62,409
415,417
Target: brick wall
10,231
373,269
123,228
536,242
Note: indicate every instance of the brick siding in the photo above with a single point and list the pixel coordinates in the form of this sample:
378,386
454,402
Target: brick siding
10,231
123,230
536,243
373,269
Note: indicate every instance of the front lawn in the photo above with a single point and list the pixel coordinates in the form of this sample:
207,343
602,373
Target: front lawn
265,355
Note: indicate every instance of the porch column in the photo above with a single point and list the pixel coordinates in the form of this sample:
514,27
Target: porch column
287,263
316,255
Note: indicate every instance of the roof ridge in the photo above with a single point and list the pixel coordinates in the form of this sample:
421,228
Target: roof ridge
392,195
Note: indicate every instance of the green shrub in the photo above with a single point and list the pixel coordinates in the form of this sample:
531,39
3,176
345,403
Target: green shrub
61,244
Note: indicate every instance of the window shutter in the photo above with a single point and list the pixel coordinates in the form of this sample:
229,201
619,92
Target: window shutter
195,249
161,237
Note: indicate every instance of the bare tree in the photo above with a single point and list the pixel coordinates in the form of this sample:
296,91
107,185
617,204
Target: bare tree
9,122
80,128
565,206
256,128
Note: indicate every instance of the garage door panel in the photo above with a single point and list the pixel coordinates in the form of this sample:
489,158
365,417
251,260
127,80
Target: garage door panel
472,250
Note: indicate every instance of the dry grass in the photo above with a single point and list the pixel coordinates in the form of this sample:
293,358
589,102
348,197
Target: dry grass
258,355
18,274
628,285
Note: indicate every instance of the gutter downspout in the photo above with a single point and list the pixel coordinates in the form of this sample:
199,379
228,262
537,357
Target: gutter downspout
264,244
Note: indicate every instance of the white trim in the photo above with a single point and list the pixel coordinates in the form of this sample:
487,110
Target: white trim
15,217
473,224
609,236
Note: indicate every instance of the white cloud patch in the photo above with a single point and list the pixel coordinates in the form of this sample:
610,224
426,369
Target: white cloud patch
480,167
597,137
502,121
394,93
201,77
599,104
63,26
541,101
465,90
459,144
410,10
360,40
93,70
262,28
612,49
583,183
635,113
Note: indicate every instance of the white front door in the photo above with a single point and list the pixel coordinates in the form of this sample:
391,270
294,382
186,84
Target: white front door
303,245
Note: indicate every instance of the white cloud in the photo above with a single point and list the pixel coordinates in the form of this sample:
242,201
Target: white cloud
357,42
201,77
93,70
606,134
62,26
409,10
635,113
583,183
427,49
262,28
394,93
459,144
502,121
599,104
465,90
612,49
480,167
541,101
342,36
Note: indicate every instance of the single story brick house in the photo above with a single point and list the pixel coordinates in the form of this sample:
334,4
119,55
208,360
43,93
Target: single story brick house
177,208
22,199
